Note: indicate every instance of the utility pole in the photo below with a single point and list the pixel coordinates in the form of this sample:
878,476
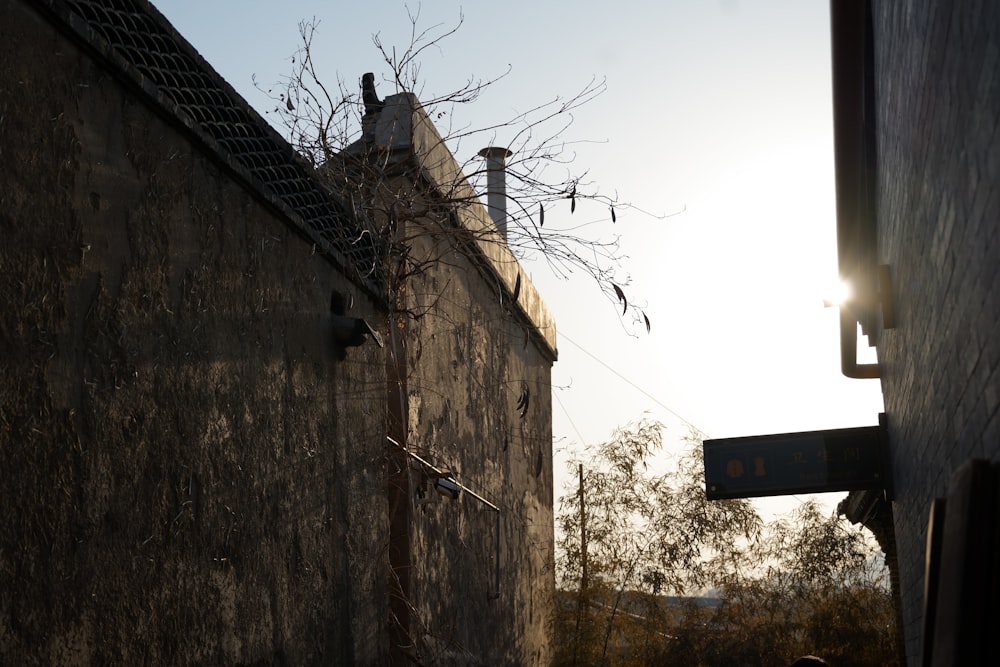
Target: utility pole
581,599
583,535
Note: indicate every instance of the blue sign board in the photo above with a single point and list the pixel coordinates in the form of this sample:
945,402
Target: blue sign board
812,462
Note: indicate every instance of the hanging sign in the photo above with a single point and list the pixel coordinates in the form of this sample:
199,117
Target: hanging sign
812,462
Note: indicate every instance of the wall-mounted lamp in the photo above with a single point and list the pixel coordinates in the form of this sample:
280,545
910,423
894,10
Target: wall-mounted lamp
441,481
348,331
447,487
445,482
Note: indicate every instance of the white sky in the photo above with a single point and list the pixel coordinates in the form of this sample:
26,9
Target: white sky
718,107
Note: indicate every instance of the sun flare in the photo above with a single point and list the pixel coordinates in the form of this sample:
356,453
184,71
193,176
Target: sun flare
837,294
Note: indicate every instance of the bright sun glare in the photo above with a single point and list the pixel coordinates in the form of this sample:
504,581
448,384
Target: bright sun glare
837,294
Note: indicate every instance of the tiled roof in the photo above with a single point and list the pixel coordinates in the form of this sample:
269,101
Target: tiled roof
142,44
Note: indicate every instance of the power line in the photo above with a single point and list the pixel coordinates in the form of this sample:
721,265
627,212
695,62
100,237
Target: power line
630,383
583,443
642,391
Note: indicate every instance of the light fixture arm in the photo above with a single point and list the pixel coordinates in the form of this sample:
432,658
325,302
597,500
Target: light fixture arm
443,474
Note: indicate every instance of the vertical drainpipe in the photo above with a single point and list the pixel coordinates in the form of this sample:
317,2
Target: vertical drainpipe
854,158
496,185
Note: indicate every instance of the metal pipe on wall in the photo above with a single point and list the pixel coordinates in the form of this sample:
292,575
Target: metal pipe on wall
496,185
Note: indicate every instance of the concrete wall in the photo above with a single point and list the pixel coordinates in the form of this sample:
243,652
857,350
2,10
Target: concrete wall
938,97
476,374
189,474
469,344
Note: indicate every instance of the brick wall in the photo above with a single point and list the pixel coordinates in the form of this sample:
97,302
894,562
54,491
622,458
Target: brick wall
938,99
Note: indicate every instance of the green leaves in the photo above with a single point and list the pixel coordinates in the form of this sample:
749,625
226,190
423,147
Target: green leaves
806,583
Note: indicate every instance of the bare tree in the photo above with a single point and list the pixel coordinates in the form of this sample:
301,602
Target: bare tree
390,159
331,123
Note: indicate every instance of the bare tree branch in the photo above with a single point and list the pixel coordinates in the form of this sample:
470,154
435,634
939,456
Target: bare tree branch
325,123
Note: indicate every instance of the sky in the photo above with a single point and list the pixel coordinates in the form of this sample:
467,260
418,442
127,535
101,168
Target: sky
716,125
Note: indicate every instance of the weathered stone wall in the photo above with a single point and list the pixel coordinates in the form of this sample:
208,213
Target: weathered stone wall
492,427
938,97
473,357
189,474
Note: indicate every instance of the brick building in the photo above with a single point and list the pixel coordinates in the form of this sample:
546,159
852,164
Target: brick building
194,469
917,131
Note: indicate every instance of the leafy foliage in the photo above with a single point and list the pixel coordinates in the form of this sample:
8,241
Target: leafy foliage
653,573
641,533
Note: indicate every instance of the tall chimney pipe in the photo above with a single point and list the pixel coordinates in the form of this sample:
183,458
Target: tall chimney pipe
496,185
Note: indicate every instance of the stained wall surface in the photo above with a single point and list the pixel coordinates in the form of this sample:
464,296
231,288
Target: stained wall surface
492,429
192,472
190,475
473,358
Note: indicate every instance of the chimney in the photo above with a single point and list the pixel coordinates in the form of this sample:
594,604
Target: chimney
496,186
